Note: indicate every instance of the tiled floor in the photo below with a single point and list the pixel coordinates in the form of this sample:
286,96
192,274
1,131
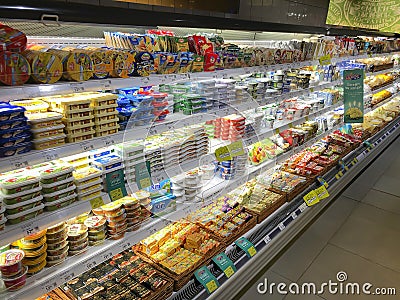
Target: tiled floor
359,234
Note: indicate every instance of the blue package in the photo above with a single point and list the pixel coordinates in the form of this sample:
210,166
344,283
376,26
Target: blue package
14,141
18,149
14,123
10,112
123,101
164,204
14,132
129,91
142,100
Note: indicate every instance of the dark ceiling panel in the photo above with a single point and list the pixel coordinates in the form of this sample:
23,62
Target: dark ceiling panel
83,13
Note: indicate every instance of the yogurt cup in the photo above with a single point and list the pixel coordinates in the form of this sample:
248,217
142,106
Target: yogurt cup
11,262
59,245
55,229
16,282
95,223
76,232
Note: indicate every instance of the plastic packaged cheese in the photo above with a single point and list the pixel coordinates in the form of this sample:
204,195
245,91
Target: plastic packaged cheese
45,67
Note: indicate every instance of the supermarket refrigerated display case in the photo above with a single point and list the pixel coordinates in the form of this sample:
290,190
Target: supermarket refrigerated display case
289,218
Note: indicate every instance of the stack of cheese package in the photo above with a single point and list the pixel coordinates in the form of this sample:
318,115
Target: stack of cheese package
105,113
77,115
46,127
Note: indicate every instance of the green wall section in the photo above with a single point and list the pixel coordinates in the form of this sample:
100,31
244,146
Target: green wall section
383,15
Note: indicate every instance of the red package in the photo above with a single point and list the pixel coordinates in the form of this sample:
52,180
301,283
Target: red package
196,43
12,39
209,62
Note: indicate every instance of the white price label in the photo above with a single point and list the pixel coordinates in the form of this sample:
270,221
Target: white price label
281,226
19,163
153,131
48,285
31,92
167,222
144,81
77,87
106,84
267,239
303,207
29,228
188,210
294,215
152,230
90,264
66,276
108,141
87,146
50,155
124,245
107,255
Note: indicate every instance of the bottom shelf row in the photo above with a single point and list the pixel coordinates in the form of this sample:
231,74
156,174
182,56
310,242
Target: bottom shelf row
164,261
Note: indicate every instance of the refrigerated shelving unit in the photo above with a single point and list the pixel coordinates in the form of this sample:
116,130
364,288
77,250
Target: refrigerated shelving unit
269,237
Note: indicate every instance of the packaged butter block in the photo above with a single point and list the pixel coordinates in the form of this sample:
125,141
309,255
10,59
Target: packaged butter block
78,137
44,120
53,131
78,123
79,131
104,100
49,142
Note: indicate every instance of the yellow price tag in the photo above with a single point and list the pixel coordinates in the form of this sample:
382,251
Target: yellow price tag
325,60
211,286
116,194
96,202
339,174
252,251
322,192
277,131
145,182
346,168
229,271
290,125
311,198
306,118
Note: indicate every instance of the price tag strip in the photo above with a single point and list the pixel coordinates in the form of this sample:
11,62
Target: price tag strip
224,264
246,246
206,279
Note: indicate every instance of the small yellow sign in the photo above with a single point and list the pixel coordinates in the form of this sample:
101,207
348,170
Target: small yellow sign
229,271
311,198
211,286
116,194
252,251
325,60
322,192
96,202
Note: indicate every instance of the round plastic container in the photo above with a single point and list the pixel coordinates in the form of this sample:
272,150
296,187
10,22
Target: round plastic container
11,262
16,282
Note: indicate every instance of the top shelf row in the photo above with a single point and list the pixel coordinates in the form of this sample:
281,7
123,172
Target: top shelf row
35,90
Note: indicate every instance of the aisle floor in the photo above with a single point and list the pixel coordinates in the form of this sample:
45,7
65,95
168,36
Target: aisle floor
359,234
